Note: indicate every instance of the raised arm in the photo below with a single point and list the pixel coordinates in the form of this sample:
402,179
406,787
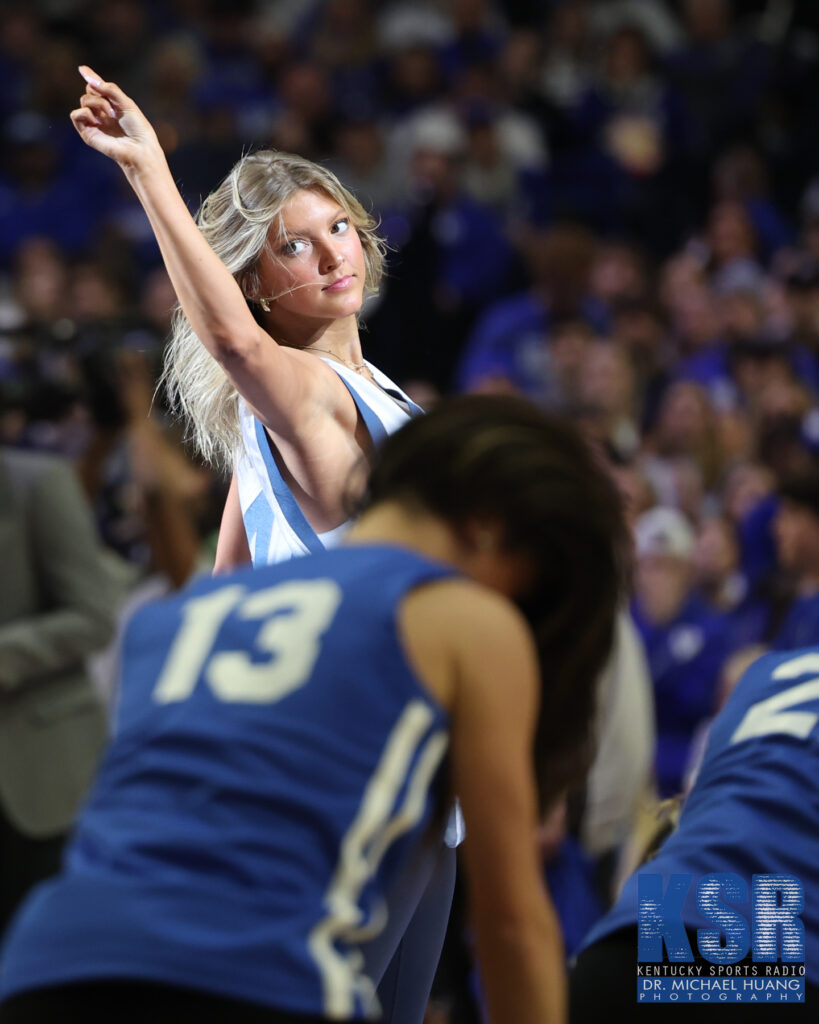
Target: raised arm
276,382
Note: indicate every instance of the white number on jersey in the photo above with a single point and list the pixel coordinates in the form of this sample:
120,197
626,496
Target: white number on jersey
294,617
773,715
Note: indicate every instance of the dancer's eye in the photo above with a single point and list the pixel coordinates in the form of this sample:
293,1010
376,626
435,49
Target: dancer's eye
295,247
341,226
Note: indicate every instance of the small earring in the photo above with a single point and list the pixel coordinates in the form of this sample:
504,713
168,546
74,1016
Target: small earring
265,305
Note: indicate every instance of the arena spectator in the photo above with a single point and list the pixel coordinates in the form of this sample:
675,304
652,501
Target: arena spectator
454,257
686,427
685,640
796,529
609,207
58,604
37,194
607,397
629,124
510,341
719,578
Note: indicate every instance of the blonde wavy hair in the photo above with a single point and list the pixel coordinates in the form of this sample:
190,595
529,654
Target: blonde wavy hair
235,219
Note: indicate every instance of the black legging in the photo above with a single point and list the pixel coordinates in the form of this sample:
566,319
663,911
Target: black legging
603,984
134,1002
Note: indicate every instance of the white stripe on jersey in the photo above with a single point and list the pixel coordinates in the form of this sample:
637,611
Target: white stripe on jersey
376,825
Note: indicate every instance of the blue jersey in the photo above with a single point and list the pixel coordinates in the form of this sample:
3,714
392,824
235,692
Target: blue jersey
755,806
274,767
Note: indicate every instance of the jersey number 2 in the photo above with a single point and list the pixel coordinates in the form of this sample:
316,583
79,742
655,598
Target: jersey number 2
294,617
774,714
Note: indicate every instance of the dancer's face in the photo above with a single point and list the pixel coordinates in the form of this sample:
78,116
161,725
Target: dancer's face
316,264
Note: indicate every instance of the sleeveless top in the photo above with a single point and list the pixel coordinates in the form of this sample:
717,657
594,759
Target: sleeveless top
275,768
276,527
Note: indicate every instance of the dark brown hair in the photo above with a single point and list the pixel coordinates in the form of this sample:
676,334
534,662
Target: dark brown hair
502,459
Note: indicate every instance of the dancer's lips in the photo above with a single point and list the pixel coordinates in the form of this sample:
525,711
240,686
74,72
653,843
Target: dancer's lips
340,284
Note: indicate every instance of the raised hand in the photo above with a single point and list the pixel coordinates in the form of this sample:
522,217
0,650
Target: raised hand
110,122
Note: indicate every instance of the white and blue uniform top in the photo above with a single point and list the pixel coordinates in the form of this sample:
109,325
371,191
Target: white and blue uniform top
754,808
276,764
276,527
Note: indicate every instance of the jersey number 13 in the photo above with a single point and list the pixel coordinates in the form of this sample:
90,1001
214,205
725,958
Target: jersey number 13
294,617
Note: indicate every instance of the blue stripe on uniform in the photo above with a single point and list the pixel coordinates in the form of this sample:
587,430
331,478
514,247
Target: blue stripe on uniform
288,504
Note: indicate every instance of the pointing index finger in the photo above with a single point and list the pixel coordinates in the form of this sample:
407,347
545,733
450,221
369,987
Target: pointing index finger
116,98
89,75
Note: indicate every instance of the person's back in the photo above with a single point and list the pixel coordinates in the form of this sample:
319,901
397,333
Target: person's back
752,813
286,685
754,806
263,811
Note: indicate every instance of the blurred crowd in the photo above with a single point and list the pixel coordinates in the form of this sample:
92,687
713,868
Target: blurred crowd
611,208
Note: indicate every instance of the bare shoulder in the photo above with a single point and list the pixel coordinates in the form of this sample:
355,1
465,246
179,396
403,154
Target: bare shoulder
462,602
456,631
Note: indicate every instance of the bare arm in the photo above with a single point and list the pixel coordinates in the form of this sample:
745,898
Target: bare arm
231,549
283,386
520,948
486,672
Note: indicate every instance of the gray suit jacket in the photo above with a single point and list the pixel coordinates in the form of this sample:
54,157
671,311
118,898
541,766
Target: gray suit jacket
58,603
